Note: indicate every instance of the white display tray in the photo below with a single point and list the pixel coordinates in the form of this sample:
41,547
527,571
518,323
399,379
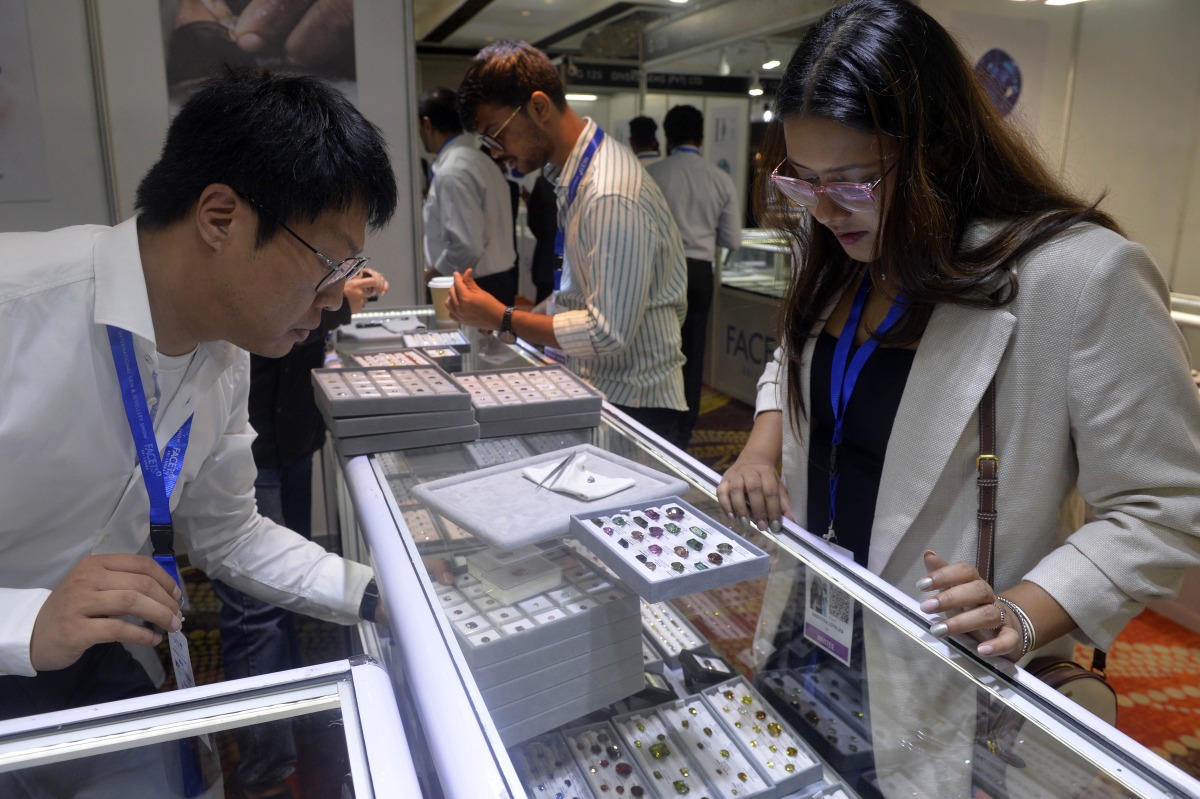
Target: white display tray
386,390
629,542
386,442
499,506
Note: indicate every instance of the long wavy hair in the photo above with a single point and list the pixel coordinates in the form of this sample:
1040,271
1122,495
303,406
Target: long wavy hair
887,68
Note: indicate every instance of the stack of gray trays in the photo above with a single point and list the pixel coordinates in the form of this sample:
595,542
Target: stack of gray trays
413,404
547,639
534,399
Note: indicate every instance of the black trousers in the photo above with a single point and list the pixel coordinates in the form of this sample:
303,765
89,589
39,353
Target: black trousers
105,673
694,334
664,421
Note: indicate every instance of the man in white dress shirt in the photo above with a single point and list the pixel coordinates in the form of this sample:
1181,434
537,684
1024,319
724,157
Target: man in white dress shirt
705,206
248,227
468,212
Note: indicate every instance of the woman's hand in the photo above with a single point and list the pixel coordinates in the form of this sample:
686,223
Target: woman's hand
751,488
967,604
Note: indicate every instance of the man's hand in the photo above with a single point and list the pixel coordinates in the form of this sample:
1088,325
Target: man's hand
472,306
83,609
308,33
366,285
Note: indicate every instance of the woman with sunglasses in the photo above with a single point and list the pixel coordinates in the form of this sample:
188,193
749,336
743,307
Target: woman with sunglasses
935,254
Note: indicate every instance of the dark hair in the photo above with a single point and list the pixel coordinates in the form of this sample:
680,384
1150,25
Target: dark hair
507,73
642,132
683,124
887,68
292,144
441,106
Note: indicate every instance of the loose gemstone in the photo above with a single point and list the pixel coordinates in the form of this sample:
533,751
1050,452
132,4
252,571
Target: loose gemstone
623,543
657,775
724,548
686,723
770,764
608,530
654,549
677,566
636,535
640,725
597,521
708,731
692,710
620,788
684,772
700,567
651,565
596,749
619,521
681,787
651,514
673,529
604,788
725,753
715,559
603,764
727,694
614,751
789,768
754,743
747,700
656,532
742,776
694,544
681,551
756,728
674,512
637,791
696,531
624,769
760,714
792,751
659,750
640,521
774,729
773,748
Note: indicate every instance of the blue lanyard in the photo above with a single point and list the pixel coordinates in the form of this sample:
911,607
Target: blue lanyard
685,148
159,474
581,169
844,376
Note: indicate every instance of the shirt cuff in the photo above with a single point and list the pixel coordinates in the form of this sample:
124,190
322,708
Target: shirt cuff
1099,608
573,330
21,608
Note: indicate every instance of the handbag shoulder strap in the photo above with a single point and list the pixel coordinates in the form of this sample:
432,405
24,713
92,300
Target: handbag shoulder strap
987,467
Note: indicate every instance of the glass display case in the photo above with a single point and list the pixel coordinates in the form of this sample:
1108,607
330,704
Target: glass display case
814,679
750,284
164,745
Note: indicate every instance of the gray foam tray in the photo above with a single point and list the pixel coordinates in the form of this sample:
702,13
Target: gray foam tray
385,442
570,710
546,768
386,390
502,508
663,583
553,669
538,424
704,737
349,426
528,392
624,671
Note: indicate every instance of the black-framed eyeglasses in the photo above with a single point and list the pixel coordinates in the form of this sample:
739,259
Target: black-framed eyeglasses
338,270
492,142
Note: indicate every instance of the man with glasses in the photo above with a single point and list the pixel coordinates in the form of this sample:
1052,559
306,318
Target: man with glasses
468,213
248,227
624,280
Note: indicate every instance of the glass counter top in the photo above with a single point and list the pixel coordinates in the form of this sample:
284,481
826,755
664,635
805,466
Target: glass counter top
814,679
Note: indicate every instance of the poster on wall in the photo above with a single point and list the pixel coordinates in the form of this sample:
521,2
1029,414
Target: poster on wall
1009,55
724,144
201,37
22,150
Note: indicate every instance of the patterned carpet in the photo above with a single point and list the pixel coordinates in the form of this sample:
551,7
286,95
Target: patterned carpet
1154,666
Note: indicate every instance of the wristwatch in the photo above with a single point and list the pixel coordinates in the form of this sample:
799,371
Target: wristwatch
370,601
506,332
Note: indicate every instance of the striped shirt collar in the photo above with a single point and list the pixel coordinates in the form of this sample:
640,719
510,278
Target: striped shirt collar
555,175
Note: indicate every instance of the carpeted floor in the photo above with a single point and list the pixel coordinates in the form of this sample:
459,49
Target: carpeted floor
1154,666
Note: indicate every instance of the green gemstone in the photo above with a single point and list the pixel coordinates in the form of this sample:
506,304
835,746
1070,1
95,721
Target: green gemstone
700,567
673,529
641,727
681,787
725,753
698,532
677,566
659,750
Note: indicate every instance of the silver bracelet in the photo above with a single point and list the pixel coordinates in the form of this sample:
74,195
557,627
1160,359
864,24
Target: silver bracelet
1028,634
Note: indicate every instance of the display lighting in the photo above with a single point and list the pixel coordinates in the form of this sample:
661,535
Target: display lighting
771,64
582,98
756,88
723,67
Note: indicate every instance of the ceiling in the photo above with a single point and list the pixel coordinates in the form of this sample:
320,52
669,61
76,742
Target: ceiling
586,30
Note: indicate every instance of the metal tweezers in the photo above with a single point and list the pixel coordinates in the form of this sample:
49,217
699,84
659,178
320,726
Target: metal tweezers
556,471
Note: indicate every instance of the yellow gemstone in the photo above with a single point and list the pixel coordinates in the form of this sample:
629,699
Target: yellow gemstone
770,764
692,710
725,753
792,751
684,772
742,776
773,748
775,729
789,768
746,700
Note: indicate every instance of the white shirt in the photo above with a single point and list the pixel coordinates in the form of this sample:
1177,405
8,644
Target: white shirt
70,484
702,199
624,281
468,212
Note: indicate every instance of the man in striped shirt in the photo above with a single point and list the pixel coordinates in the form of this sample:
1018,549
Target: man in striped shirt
623,294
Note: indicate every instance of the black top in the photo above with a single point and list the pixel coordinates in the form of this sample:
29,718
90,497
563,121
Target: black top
866,429
282,409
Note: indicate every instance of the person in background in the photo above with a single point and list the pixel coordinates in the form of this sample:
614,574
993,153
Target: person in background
938,256
624,278
541,215
468,212
239,245
705,206
258,637
643,139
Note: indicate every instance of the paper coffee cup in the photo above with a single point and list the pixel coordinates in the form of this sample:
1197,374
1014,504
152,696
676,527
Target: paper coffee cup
439,289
